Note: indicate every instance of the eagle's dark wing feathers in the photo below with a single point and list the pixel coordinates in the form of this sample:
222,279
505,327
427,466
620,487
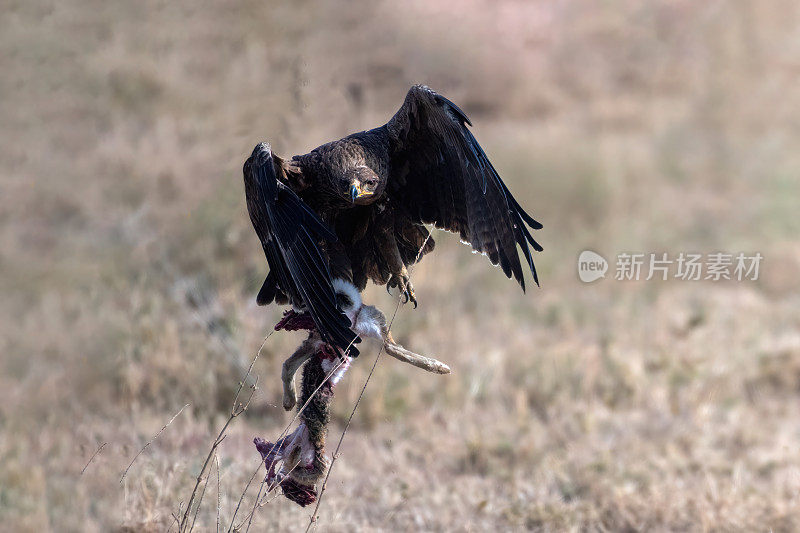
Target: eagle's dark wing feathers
289,230
442,176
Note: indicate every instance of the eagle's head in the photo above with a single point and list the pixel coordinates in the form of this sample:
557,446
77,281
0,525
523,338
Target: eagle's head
351,170
361,185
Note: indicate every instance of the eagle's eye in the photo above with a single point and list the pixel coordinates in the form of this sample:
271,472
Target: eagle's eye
371,182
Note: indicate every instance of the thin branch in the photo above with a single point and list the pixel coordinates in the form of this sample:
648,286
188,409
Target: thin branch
200,501
237,409
244,492
150,442
220,437
218,491
92,457
247,374
175,517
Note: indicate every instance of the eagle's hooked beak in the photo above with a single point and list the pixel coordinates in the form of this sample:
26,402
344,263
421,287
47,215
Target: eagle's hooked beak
356,192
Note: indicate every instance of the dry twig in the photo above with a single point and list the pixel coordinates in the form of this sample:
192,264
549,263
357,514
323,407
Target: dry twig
200,501
151,442
95,454
236,409
218,491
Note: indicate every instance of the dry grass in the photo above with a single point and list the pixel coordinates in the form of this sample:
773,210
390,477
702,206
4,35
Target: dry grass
129,266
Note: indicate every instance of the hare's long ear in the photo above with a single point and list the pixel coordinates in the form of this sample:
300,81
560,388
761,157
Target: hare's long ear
372,323
407,356
290,173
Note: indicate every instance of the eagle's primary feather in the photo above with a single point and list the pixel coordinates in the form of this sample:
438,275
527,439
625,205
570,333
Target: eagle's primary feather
356,209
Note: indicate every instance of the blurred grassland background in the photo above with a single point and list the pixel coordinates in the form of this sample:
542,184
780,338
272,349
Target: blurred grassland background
128,266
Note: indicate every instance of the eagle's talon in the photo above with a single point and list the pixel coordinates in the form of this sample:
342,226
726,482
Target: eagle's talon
403,282
410,294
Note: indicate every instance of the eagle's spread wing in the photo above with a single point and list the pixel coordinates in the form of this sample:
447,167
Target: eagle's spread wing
288,230
442,176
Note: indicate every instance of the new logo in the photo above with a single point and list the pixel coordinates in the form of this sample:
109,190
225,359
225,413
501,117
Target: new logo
591,266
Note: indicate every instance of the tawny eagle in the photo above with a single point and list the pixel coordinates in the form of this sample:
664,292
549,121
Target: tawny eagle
356,209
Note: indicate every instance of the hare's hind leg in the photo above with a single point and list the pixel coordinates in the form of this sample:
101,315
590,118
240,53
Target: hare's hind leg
290,366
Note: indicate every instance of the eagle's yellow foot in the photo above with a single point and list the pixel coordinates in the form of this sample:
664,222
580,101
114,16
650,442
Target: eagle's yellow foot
403,282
